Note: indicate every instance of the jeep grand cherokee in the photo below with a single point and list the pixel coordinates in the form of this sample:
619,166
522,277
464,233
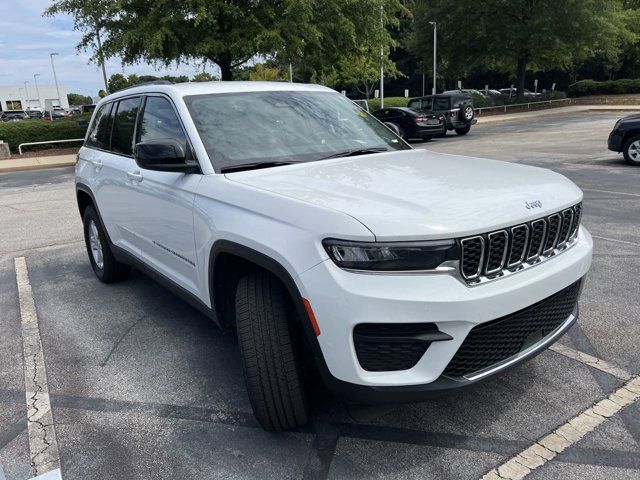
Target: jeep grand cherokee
291,216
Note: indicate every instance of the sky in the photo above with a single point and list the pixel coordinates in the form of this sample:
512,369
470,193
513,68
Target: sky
27,38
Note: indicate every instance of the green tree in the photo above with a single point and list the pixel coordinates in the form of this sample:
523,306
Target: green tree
312,34
77,99
102,93
515,35
204,77
261,72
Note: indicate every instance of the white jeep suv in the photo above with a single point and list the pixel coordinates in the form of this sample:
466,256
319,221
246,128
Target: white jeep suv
288,214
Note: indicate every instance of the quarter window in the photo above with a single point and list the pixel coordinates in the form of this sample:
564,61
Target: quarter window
159,121
99,132
124,125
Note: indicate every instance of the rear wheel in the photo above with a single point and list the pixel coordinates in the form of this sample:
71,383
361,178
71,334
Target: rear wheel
631,150
463,130
104,264
264,320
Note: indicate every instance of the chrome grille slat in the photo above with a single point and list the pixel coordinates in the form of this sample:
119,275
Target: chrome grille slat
502,252
553,232
518,245
497,252
567,224
473,266
538,234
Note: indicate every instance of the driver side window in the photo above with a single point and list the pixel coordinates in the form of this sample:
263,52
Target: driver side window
159,121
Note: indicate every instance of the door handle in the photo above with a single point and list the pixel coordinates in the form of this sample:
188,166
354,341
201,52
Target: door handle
97,164
135,176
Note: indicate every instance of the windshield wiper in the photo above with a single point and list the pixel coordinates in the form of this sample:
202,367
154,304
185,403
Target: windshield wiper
353,153
253,166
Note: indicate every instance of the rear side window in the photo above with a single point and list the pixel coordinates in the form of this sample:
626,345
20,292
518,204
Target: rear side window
159,121
124,124
99,130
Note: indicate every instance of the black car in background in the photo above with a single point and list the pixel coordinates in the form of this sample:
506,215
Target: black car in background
13,115
412,123
625,138
456,107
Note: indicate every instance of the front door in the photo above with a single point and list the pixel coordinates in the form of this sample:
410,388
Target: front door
162,201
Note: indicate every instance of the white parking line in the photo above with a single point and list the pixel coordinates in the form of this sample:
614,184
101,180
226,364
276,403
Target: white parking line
42,436
615,240
610,191
591,361
563,437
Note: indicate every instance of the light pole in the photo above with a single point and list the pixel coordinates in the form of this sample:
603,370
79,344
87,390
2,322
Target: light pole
381,54
55,78
435,48
27,93
101,58
35,80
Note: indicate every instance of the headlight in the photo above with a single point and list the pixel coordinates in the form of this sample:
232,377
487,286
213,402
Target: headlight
396,256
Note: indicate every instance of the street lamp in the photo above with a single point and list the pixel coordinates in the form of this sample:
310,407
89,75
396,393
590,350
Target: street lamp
55,78
27,93
435,42
35,80
382,54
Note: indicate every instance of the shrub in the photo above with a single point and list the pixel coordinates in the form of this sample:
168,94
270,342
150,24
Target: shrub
592,87
15,133
374,103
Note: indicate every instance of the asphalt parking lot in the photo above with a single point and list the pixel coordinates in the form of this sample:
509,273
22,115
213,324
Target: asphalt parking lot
143,386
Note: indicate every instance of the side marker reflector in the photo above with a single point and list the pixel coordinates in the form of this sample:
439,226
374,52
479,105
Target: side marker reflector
312,317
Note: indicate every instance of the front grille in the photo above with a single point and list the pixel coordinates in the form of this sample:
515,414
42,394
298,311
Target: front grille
500,339
493,254
383,347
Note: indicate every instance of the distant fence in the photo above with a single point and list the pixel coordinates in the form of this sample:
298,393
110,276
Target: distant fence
523,106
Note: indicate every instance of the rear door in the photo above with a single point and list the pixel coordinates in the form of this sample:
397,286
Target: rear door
113,179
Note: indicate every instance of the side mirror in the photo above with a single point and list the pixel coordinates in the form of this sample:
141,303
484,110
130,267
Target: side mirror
164,154
393,127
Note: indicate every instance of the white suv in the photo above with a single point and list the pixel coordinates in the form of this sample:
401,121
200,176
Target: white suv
288,214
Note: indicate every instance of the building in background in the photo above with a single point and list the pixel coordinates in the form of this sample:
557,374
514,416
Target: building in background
19,97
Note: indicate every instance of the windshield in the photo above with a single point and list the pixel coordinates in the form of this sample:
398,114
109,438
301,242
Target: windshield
284,126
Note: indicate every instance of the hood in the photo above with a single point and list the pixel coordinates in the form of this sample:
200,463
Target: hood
418,194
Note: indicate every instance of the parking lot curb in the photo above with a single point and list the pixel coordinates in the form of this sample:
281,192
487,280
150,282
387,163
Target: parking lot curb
21,164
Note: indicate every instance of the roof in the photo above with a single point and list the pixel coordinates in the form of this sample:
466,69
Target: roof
200,88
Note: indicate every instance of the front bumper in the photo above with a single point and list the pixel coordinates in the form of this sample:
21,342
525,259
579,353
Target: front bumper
614,142
341,300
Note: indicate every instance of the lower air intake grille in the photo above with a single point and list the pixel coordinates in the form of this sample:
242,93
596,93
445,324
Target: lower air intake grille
384,347
497,340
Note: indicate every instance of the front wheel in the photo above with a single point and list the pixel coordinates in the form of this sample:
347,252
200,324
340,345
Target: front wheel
264,318
104,264
464,130
631,150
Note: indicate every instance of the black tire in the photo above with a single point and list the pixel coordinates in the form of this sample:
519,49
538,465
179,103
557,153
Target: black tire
629,151
466,113
111,270
264,317
463,130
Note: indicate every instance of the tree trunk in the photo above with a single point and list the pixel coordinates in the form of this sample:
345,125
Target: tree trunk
522,69
226,73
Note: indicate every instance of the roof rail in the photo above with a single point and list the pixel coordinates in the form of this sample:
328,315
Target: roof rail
153,82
